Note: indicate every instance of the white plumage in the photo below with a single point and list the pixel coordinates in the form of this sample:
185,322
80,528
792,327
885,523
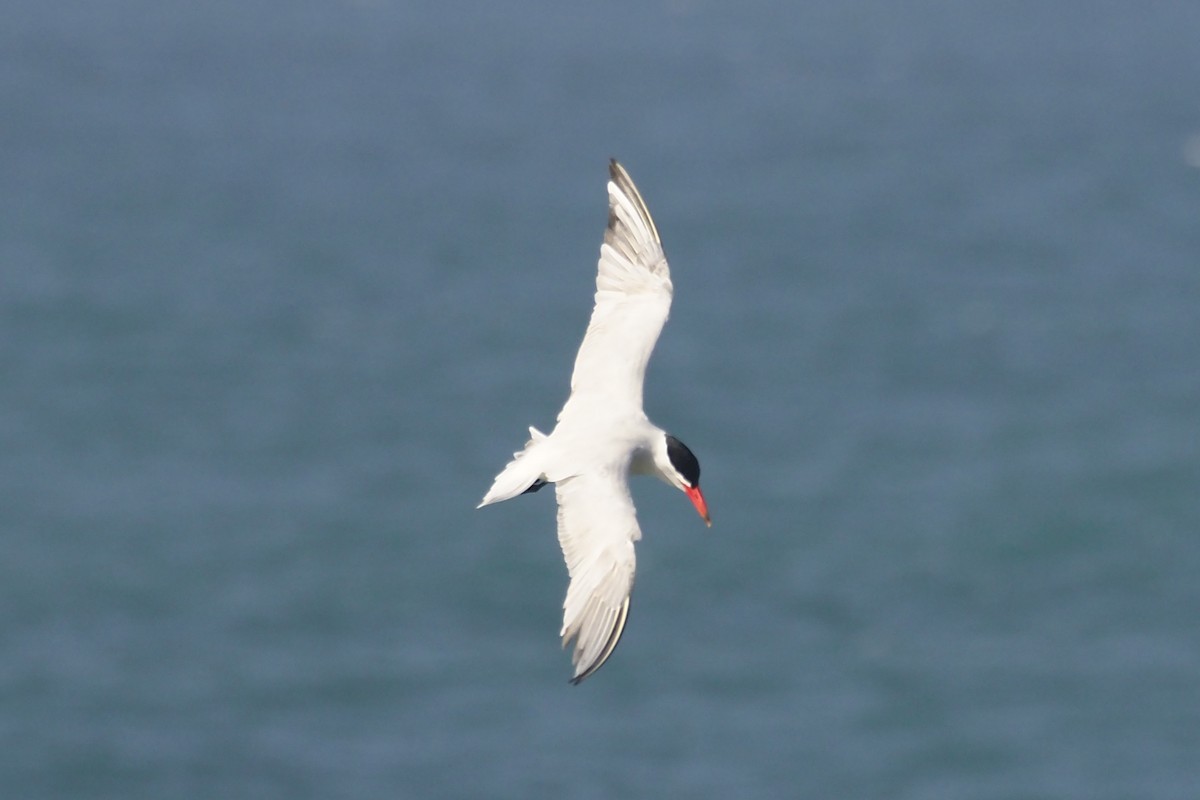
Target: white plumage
603,435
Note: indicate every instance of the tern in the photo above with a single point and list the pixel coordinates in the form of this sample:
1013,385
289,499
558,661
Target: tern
603,436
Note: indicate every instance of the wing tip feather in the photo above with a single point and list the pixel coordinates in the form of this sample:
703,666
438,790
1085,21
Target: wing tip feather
620,178
614,638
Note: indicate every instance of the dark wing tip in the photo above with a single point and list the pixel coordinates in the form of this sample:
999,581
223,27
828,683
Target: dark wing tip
621,178
610,646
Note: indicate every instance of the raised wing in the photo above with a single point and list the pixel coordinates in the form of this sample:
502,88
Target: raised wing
597,526
633,298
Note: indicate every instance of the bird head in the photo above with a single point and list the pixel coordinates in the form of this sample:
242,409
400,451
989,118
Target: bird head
682,470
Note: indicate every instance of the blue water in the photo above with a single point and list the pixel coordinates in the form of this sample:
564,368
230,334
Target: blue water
282,285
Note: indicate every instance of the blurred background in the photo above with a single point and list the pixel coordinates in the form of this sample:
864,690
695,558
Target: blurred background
282,285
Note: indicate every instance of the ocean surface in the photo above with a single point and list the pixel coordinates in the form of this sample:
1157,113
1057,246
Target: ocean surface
282,285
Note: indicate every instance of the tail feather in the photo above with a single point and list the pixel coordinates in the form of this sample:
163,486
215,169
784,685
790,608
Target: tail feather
520,474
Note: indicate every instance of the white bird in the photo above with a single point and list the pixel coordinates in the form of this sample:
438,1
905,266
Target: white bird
603,435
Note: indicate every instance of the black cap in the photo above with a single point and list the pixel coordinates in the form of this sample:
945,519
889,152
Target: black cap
683,461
